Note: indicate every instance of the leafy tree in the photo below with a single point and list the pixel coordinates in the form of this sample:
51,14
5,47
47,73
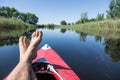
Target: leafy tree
72,23
100,16
63,22
22,16
78,22
114,9
92,19
3,11
84,17
50,26
69,23
12,12
31,18
8,12
28,18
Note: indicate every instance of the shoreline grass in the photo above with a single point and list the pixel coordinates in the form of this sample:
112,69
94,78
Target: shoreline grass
97,25
105,28
13,27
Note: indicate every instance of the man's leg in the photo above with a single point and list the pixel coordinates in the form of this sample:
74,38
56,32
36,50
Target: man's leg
27,53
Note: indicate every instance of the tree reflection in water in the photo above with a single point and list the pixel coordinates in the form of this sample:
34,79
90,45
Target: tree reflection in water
63,30
112,47
11,40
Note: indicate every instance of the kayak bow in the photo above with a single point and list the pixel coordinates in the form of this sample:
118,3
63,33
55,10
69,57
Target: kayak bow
50,66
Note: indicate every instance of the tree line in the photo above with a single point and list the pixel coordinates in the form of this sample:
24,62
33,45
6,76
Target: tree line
112,13
8,12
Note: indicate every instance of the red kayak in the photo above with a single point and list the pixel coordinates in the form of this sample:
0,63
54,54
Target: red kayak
50,66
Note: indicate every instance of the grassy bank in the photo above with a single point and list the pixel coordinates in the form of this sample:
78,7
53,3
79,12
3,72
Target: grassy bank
106,28
13,27
98,25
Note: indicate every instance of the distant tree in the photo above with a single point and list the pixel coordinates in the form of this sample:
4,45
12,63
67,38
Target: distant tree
50,26
73,23
78,22
8,12
22,16
31,18
69,23
100,16
114,9
84,17
3,11
63,30
14,13
63,22
92,19
28,18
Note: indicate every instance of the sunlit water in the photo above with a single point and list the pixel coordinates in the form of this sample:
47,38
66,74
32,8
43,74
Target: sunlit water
90,58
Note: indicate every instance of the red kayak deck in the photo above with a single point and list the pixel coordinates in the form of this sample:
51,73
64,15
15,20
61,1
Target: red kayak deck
61,67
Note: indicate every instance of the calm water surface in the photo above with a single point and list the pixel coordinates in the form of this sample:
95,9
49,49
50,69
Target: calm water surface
91,57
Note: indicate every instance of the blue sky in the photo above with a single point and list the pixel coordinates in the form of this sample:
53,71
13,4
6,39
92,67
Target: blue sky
53,11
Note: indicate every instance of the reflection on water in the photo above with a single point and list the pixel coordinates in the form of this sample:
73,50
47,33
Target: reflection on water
14,39
112,47
88,55
63,30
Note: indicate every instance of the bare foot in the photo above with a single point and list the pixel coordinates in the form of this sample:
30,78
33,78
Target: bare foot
23,45
28,50
35,40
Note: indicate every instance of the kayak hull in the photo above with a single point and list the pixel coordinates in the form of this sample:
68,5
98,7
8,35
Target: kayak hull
62,70
58,63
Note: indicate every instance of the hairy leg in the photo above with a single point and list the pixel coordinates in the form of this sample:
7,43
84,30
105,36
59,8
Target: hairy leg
32,48
23,45
23,71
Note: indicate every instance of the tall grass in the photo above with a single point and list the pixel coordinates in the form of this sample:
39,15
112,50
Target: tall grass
106,28
12,27
98,25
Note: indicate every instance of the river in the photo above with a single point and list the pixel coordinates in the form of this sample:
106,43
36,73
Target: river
91,57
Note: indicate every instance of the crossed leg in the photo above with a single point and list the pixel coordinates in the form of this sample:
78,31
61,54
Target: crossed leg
23,70
28,49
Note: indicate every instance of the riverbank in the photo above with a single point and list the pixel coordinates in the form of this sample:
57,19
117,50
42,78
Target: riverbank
13,27
105,28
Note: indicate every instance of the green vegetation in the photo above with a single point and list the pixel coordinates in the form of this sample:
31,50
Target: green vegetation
100,17
106,28
98,25
114,9
14,13
13,22
113,13
63,22
13,27
112,47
